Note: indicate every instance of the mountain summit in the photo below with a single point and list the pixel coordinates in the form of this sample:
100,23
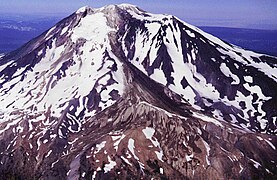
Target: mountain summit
117,92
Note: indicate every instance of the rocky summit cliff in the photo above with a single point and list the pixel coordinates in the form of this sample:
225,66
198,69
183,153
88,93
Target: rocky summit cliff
120,93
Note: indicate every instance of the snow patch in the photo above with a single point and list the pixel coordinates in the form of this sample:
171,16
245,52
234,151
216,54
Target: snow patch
99,147
208,152
161,170
131,147
207,119
241,168
227,72
256,164
118,140
82,9
48,154
109,166
270,143
191,34
160,155
149,133
126,160
248,79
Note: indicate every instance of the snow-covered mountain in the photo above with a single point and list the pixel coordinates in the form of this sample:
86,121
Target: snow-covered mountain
117,92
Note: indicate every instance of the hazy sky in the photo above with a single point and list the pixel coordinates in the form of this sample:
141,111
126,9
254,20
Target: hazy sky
260,14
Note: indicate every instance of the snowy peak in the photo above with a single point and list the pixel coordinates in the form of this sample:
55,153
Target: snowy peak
109,9
73,70
93,45
120,92
210,74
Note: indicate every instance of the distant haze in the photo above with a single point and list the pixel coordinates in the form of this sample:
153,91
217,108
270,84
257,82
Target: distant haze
255,14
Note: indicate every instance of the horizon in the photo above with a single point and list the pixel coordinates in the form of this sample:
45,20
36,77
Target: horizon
247,14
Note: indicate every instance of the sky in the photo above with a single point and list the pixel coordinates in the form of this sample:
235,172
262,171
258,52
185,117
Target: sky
255,14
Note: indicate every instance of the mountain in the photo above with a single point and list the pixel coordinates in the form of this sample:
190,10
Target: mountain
120,93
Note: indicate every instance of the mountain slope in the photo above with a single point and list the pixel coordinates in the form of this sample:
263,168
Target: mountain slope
119,92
